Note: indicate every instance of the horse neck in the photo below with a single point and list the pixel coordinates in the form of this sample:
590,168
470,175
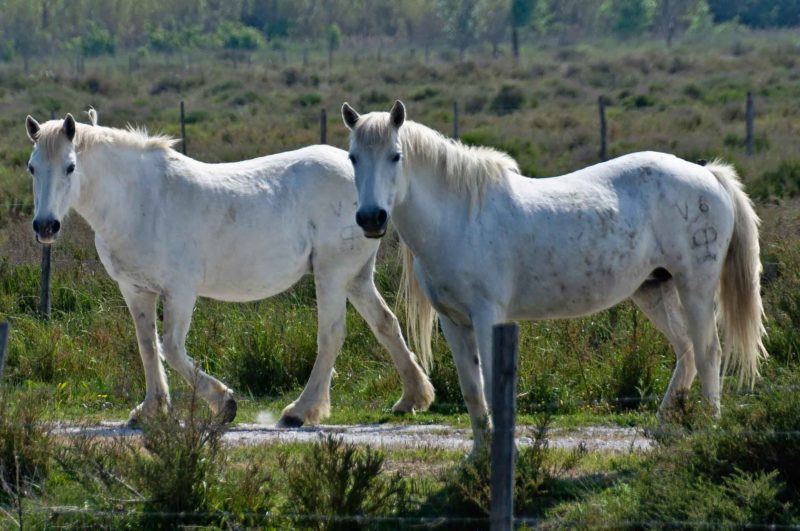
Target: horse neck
429,210
106,194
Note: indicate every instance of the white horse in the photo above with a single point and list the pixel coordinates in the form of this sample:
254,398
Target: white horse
488,246
172,227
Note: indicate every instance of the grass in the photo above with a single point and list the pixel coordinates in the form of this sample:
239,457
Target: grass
609,368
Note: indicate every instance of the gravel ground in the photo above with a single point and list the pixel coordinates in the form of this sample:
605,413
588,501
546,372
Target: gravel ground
596,438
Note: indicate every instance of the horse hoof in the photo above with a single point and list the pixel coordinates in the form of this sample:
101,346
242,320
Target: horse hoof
288,421
228,411
133,423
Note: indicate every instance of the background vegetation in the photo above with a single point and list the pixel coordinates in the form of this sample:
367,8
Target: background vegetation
254,76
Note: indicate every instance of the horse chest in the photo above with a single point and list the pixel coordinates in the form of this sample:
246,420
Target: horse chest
135,268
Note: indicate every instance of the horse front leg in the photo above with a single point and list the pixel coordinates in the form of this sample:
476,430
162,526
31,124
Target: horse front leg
461,340
177,318
142,305
418,393
314,403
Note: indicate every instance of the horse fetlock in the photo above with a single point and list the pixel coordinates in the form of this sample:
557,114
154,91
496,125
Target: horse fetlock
417,396
150,407
297,413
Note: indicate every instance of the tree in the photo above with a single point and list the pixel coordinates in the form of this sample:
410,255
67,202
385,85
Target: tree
628,18
492,22
674,16
423,25
460,22
21,25
334,38
521,11
97,41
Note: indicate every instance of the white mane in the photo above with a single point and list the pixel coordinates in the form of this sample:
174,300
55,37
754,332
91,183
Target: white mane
51,137
465,168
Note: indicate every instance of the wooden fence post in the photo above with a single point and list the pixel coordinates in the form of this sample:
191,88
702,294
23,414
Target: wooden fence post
5,328
455,120
504,408
601,104
323,126
183,129
46,280
750,112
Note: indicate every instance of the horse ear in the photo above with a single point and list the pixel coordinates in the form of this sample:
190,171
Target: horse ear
69,127
398,114
32,126
349,115
92,113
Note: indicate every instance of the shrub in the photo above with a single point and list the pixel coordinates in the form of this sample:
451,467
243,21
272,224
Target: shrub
508,99
537,479
335,480
24,446
179,472
784,181
308,99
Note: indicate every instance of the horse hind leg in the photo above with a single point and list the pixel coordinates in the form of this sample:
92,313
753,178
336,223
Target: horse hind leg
314,403
177,318
418,393
698,302
660,302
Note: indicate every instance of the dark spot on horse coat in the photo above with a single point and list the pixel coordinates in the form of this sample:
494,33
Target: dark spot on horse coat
231,214
476,360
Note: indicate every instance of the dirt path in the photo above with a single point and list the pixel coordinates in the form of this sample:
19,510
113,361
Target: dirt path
596,438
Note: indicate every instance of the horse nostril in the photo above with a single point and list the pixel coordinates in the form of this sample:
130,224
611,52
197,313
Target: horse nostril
360,218
382,216
37,225
56,226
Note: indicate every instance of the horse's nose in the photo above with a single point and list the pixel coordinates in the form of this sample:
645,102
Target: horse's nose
372,221
46,228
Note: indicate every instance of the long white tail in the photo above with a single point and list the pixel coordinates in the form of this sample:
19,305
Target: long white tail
420,315
741,313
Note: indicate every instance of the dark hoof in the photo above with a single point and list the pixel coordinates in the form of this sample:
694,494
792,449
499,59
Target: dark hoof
133,424
289,422
228,412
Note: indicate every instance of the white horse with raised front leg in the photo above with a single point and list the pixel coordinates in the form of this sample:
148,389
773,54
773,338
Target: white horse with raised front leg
488,246
172,227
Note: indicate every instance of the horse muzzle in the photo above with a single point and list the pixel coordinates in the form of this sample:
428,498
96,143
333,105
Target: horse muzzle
373,221
46,229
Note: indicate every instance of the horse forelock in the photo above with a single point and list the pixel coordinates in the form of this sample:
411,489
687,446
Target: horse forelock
51,138
464,168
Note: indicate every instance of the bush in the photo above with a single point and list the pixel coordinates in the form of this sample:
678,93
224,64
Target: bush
784,181
538,479
180,470
508,99
335,480
24,446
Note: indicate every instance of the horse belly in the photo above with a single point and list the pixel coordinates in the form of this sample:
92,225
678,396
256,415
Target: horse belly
259,272
586,281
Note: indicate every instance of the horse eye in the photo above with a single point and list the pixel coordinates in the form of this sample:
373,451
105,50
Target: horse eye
396,157
30,168
353,159
70,168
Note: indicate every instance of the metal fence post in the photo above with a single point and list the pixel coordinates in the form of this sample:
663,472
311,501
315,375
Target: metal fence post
750,112
504,408
323,126
183,129
601,104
